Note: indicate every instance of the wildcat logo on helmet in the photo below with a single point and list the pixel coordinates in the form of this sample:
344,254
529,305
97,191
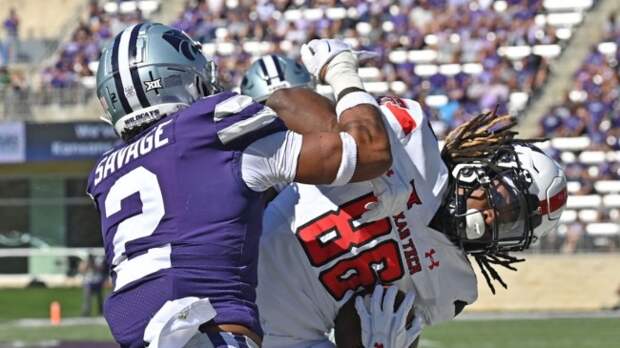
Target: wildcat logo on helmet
182,43
153,85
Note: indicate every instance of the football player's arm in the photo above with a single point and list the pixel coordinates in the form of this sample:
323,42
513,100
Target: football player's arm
314,116
303,110
354,148
360,151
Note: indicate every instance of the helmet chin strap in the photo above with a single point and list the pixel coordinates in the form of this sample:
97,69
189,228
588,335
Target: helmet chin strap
474,224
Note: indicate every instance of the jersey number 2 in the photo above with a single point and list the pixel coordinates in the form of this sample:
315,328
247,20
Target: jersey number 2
137,225
335,233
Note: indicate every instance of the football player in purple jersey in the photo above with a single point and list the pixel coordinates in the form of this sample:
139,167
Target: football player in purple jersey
181,199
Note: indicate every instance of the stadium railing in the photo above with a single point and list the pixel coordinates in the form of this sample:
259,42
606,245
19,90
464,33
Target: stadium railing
52,266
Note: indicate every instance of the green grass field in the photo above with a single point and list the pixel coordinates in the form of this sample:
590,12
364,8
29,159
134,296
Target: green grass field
10,333
35,302
556,333
548,333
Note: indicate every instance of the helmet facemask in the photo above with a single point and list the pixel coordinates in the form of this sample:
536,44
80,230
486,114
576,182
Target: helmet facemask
492,208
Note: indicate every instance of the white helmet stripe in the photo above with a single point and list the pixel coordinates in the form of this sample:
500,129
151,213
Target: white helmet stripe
118,85
270,66
123,68
133,60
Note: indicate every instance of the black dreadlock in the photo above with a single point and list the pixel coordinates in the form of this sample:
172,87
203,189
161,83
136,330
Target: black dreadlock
484,262
481,138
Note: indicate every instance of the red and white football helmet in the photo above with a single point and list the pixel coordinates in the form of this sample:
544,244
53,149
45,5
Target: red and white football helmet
525,193
548,184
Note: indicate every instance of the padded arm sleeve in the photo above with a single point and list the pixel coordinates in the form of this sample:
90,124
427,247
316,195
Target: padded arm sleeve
271,160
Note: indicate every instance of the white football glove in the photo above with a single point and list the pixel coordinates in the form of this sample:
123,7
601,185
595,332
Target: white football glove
392,191
319,52
381,325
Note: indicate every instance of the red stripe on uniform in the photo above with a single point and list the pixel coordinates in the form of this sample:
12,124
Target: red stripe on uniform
555,202
402,116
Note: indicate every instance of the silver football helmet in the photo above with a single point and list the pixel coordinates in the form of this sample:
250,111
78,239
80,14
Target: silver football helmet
148,71
270,73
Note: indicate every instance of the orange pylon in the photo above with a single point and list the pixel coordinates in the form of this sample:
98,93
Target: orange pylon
55,313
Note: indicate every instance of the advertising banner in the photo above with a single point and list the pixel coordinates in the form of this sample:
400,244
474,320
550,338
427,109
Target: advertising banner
12,142
68,141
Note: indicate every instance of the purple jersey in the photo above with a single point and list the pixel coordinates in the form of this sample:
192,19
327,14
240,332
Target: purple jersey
178,220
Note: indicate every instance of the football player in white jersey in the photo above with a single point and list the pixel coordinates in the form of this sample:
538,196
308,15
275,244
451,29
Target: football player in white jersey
485,194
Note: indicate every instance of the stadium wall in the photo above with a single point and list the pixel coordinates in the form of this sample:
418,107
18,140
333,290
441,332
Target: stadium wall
577,282
56,14
43,171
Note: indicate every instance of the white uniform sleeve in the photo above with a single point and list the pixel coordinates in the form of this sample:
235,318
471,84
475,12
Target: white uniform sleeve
271,160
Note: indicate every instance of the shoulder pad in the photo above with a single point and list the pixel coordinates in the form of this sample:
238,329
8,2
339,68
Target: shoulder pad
231,106
404,116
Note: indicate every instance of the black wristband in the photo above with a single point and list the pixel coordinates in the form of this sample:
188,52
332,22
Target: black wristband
347,91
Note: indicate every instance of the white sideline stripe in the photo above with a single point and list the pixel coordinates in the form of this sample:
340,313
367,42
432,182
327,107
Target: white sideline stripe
482,316
78,321
64,322
425,343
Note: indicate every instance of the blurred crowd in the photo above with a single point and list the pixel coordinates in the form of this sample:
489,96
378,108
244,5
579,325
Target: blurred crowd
9,52
459,31
590,109
456,31
9,46
84,46
13,80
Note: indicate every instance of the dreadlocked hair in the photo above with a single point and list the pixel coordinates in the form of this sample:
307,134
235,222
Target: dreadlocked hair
481,137
484,262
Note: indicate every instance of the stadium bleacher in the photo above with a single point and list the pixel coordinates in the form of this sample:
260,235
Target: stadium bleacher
588,122
455,65
77,58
